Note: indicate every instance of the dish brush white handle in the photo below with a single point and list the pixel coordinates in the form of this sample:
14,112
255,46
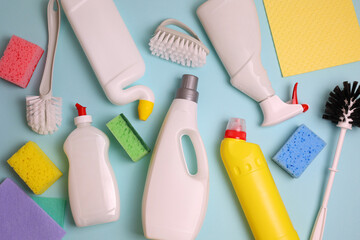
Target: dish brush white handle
179,24
319,226
53,16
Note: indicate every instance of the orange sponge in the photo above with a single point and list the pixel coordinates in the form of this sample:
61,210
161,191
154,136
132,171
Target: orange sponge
34,167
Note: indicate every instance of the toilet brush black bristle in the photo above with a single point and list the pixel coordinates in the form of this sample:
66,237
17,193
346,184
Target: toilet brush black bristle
344,105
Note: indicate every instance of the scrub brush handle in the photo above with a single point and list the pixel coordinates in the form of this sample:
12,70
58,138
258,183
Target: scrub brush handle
53,17
179,24
319,226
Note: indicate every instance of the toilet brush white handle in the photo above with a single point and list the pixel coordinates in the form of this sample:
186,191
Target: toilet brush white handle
319,226
53,17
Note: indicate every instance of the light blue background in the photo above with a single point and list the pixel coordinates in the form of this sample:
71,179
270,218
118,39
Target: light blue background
75,81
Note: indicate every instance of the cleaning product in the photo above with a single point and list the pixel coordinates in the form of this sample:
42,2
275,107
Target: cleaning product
93,191
22,218
343,109
175,201
34,167
254,185
178,47
19,61
233,28
111,51
43,113
128,137
299,151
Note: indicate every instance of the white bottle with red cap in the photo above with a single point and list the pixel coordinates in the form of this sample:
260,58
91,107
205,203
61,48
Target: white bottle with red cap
93,191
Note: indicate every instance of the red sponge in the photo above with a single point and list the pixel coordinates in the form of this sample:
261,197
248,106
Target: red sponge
19,61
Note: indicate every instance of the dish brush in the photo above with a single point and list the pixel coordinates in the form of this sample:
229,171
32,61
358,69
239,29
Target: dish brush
343,109
43,113
178,47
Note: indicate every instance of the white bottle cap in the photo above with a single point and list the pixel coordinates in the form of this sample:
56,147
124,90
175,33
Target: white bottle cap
83,119
236,128
236,124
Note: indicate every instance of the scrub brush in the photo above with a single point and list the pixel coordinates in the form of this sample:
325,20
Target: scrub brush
342,108
178,47
43,113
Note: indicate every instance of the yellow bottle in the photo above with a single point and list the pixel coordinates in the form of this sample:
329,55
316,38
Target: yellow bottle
254,185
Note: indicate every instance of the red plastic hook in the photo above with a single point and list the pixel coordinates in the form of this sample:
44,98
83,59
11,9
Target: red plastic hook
295,99
294,95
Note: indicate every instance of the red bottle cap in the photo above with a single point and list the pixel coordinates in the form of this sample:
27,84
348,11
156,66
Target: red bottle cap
81,110
236,129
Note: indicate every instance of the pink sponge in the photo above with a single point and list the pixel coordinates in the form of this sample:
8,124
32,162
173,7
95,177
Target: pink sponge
19,61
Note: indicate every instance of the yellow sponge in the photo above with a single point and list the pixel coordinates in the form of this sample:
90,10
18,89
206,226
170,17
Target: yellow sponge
34,167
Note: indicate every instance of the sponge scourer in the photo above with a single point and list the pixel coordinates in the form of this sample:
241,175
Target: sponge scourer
22,218
19,61
299,151
127,136
34,167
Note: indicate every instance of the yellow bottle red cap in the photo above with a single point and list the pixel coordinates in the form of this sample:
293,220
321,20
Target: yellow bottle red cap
236,128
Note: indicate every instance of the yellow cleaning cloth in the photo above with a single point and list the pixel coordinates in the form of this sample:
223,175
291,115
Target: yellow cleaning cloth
313,34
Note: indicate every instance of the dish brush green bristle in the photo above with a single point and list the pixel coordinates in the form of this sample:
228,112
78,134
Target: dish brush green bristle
128,137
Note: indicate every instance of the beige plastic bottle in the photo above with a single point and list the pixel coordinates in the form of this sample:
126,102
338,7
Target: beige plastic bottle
93,190
111,51
175,201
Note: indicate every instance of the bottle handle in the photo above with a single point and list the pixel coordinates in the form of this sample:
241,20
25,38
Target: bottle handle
200,152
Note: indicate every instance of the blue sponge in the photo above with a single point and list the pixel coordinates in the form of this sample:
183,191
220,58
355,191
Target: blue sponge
299,151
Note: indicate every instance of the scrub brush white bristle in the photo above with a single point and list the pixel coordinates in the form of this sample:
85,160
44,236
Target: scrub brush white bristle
343,109
43,113
178,47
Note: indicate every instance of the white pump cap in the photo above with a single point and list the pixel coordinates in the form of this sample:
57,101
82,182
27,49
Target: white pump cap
276,111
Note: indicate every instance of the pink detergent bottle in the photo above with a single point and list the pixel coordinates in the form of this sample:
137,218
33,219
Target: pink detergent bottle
93,191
